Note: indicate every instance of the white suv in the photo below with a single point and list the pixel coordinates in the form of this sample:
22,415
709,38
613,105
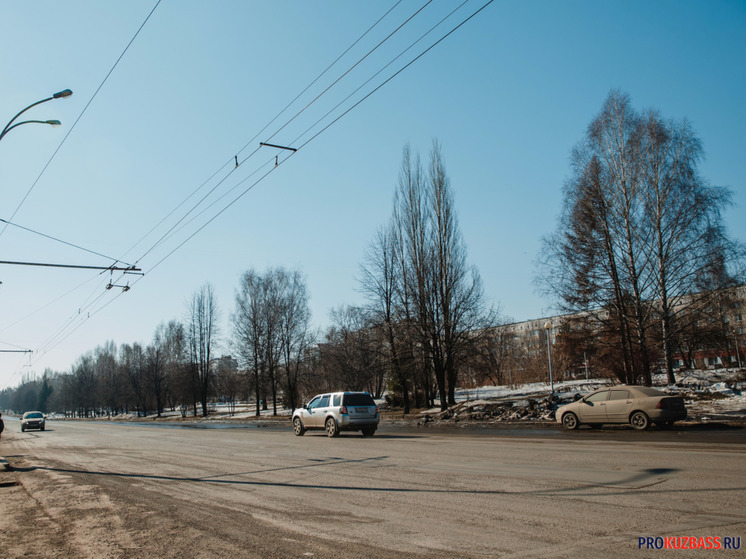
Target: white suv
338,411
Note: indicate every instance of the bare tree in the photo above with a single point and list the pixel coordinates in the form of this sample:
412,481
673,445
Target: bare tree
351,354
446,293
133,362
383,282
271,331
295,331
203,317
112,385
272,318
85,381
228,381
683,214
157,366
174,344
248,328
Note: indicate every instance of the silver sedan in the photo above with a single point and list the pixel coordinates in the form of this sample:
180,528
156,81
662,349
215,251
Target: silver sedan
637,405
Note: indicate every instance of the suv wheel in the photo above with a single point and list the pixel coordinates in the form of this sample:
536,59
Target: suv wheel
298,428
332,430
369,431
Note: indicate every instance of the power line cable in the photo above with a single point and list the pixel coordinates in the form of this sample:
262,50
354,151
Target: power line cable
157,225
207,208
62,242
193,208
82,316
243,193
260,179
20,320
167,234
380,71
320,76
396,74
12,345
410,18
85,316
8,222
165,238
78,119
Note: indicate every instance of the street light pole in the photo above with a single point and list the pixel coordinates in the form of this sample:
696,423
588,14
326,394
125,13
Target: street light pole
59,95
548,327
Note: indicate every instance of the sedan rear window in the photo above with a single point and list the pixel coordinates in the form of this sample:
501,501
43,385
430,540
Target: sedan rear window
359,400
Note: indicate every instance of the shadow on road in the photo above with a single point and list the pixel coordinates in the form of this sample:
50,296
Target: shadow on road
641,482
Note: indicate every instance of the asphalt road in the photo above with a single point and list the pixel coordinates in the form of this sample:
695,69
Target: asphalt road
98,489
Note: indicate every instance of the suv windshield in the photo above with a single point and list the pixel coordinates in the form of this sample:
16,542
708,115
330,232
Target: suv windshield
36,415
358,400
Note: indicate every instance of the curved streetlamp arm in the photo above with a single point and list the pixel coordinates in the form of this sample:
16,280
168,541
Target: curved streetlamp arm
59,95
50,122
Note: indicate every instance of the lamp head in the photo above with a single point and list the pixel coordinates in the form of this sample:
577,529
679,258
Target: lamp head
62,94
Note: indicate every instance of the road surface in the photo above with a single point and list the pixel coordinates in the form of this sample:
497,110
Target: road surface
100,489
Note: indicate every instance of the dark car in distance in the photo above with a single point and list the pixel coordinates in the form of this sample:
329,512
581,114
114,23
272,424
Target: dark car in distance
32,420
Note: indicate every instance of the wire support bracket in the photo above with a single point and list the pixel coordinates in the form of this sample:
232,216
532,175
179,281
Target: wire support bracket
276,146
124,288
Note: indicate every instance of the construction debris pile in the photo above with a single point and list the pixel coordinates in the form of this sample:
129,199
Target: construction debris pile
524,409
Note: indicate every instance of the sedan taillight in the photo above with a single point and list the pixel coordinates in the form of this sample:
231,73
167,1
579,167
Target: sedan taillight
662,405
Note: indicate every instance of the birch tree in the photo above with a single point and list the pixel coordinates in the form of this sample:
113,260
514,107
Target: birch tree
638,227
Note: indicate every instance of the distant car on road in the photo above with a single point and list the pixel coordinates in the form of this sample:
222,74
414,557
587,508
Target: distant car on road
338,411
637,405
32,420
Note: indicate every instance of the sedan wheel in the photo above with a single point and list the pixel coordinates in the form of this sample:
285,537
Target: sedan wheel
332,430
570,421
639,421
298,428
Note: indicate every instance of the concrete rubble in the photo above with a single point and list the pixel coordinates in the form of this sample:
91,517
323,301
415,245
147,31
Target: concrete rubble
523,409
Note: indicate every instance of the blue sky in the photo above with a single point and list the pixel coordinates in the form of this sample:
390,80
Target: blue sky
507,95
